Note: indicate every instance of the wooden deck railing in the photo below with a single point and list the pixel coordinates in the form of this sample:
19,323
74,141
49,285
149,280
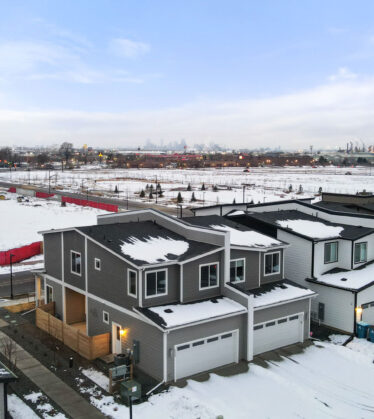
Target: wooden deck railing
90,347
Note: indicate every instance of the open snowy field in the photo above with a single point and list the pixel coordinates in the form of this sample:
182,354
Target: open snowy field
261,184
21,221
325,381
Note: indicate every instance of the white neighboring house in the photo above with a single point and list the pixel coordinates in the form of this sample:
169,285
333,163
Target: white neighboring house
334,260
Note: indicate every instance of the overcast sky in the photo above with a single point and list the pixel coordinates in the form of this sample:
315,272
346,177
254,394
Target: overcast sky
240,73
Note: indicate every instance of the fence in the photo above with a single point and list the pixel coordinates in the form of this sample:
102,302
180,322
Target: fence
43,194
20,253
89,347
87,203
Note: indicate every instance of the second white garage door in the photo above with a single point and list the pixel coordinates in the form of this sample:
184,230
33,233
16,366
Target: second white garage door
277,333
206,353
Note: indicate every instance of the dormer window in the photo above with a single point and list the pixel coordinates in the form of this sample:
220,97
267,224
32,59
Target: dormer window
360,252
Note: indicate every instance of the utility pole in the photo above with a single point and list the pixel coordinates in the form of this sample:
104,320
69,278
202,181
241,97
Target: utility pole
11,275
156,189
243,194
49,181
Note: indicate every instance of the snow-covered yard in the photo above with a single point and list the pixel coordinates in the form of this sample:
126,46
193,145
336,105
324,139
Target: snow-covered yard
262,184
21,221
325,381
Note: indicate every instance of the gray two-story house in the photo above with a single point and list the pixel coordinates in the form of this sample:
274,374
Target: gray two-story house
184,296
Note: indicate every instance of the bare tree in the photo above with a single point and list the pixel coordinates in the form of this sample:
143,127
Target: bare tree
9,349
66,151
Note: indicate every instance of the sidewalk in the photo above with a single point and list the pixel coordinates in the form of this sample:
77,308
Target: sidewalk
64,396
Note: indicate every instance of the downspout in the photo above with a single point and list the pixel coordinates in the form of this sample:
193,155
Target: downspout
313,243
352,254
154,388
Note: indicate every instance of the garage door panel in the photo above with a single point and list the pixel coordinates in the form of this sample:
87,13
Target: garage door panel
277,333
205,354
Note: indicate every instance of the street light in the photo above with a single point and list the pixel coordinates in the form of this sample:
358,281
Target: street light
11,275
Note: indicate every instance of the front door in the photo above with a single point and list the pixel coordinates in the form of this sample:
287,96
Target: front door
116,338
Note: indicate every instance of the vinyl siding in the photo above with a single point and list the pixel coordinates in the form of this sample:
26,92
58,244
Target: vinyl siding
297,257
370,248
339,306
57,297
191,274
150,338
252,279
365,296
52,254
173,286
110,283
74,241
344,257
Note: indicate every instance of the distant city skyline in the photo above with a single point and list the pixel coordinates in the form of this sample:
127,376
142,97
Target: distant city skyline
238,74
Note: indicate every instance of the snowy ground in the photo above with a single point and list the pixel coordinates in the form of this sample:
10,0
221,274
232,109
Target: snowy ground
36,262
21,221
325,381
262,184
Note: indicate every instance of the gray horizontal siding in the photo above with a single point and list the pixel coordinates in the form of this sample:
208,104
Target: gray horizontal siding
52,254
252,274
74,241
57,297
110,283
191,272
150,338
173,273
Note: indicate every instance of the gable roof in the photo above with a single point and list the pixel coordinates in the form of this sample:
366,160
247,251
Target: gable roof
240,235
146,243
310,227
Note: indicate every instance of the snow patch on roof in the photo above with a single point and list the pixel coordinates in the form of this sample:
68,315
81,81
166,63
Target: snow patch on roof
312,229
154,249
237,212
351,279
281,292
178,314
247,238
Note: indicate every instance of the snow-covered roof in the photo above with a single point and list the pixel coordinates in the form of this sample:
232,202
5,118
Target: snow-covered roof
249,238
279,292
173,315
146,243
154,249
354,280
313,229
309,226
240,235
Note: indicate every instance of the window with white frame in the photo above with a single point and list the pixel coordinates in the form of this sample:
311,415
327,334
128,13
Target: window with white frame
156,283
97,264
209,275
132,277
106,317
237,270
360,252
76,263
331,252
48,294
272,263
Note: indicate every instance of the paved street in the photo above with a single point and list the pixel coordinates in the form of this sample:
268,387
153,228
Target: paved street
23,283
131,205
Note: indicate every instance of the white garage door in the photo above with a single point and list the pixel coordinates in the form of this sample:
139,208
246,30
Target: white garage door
368,313
277,333
205,354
